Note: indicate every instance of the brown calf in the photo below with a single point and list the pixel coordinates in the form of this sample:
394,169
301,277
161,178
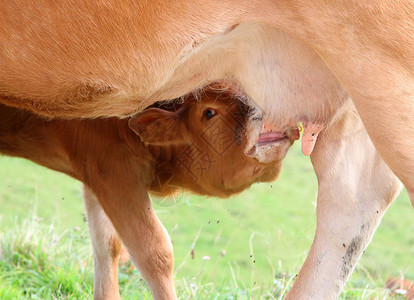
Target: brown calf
200,146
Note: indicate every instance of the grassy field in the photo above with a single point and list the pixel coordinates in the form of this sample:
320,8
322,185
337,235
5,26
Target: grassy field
245,247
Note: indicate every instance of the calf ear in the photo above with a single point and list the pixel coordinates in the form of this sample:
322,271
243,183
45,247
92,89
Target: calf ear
159,127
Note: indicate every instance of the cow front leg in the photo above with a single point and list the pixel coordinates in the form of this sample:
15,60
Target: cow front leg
355,189
106,248
129,208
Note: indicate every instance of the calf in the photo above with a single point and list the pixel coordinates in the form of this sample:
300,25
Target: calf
202,146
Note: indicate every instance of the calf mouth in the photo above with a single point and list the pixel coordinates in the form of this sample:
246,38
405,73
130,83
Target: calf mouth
272,145
267,138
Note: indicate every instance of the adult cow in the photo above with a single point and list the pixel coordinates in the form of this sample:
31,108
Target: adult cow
105,58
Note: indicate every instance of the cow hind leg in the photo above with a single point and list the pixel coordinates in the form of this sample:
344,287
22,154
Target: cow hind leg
355,189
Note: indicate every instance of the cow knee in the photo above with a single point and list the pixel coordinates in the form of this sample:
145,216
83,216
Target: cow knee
108,251
157,261
114,247
164,259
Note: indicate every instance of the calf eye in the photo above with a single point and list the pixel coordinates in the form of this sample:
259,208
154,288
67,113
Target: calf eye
209,113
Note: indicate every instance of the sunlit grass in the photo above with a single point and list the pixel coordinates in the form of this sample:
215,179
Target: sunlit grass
36,263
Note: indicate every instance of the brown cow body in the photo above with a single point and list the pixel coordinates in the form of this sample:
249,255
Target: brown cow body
197,145
105,58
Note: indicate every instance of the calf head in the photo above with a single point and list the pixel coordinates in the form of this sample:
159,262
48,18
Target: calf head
212,143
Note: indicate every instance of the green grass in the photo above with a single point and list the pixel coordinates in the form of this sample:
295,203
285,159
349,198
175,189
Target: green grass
256,241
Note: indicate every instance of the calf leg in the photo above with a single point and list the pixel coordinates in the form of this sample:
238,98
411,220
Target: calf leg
129,208
355,189
106,248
